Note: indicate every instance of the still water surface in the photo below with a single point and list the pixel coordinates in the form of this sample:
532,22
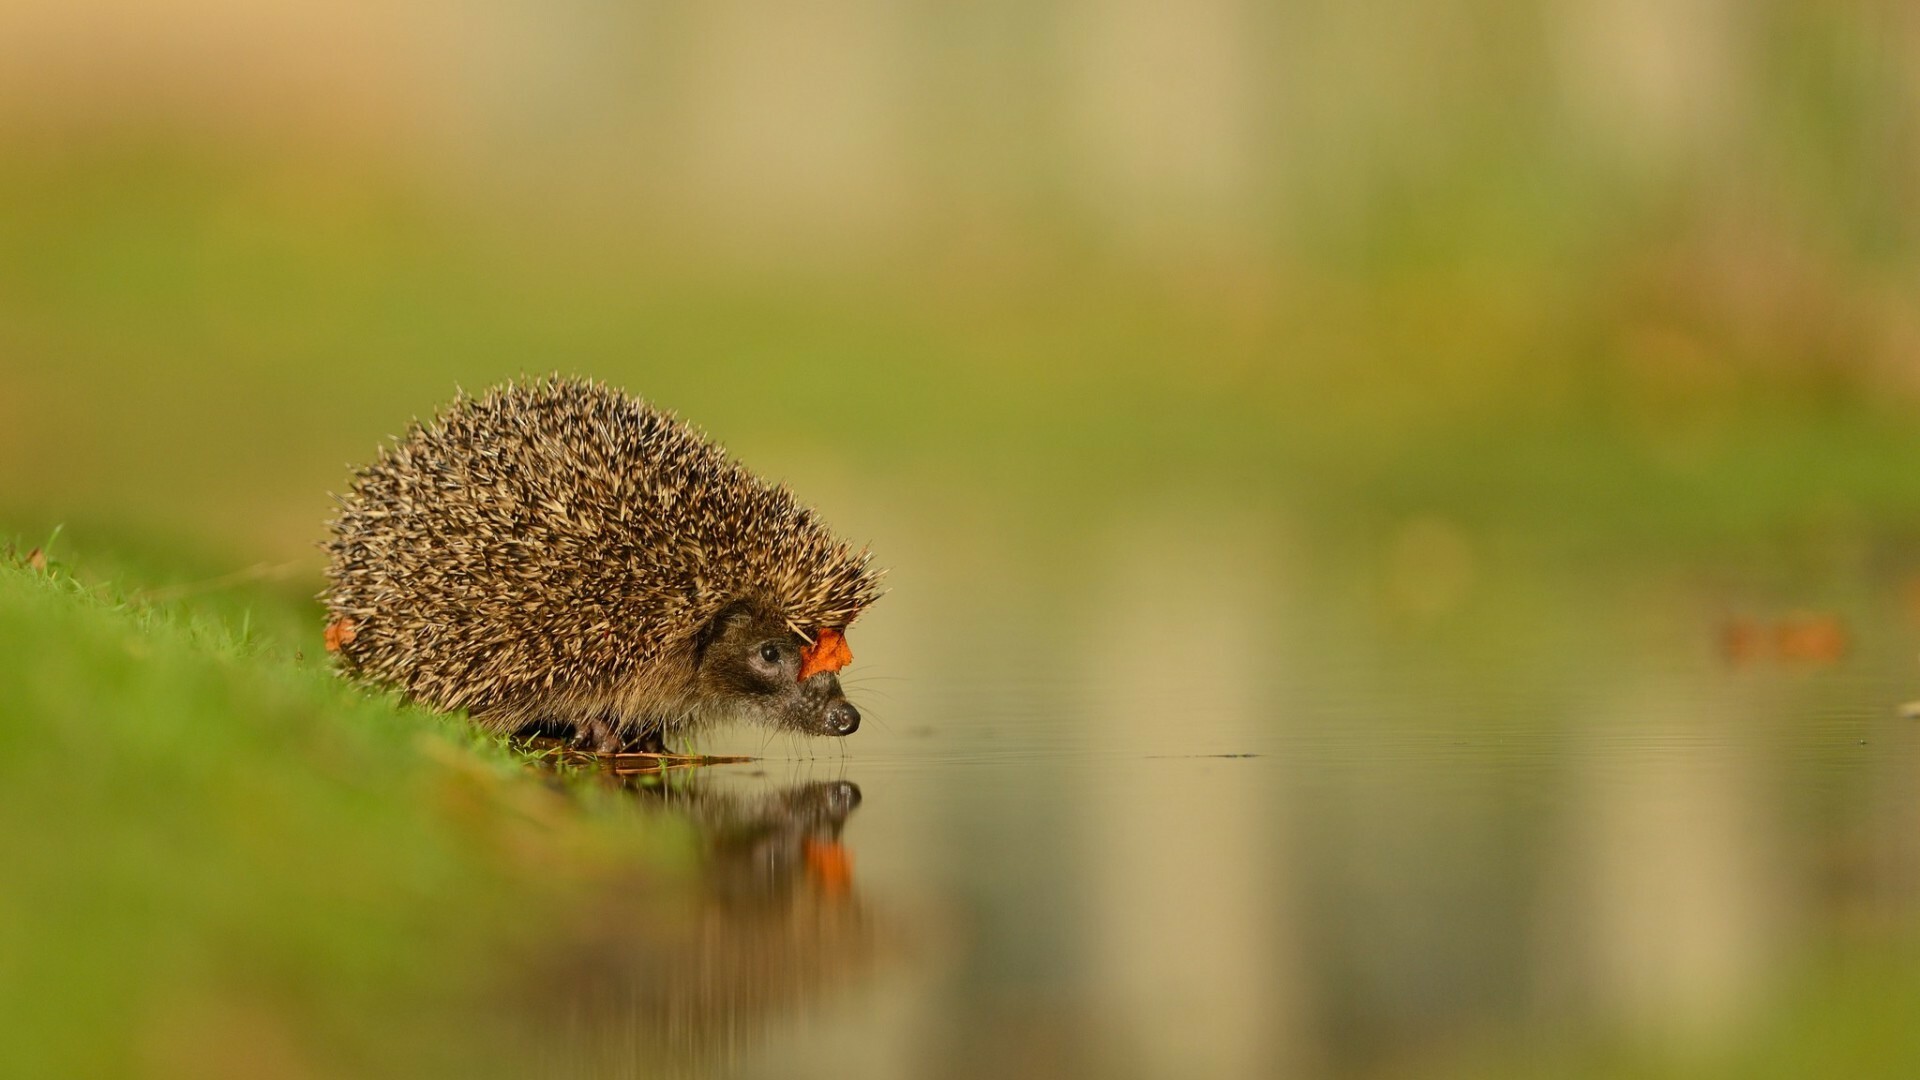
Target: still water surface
1204,844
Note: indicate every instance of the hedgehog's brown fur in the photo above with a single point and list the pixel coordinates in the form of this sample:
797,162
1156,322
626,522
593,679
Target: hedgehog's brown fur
551,551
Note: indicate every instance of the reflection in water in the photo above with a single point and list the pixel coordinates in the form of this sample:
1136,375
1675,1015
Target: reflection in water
689,978
767,853
1675,899
1190,938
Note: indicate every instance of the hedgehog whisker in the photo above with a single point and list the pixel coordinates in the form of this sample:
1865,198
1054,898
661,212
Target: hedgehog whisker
873,693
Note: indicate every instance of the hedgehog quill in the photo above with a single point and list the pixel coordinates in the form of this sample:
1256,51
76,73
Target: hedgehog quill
557,554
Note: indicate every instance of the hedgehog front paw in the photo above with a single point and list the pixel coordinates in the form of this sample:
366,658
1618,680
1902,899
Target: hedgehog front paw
598,735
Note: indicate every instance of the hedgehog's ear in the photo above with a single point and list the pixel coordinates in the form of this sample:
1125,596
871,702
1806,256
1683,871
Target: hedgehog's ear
733,614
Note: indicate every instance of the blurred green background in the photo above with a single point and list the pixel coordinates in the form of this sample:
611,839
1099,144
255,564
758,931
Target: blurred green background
1595,264
1493,348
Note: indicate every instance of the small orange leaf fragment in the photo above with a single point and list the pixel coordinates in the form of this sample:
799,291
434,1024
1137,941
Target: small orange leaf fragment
37,559
1805,638
340,632
1812,637
829,652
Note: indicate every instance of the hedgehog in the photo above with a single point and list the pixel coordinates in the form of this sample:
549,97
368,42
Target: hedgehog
557,555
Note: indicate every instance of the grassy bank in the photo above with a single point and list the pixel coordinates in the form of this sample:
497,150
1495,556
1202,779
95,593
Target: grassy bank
222,861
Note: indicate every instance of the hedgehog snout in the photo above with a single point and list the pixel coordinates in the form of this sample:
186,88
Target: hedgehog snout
825,708
842,718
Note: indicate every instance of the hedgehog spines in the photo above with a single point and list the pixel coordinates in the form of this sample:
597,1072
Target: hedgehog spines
553,545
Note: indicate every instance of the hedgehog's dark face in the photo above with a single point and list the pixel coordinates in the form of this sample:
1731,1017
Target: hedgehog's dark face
750,659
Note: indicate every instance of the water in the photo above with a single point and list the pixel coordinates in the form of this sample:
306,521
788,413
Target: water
1562,826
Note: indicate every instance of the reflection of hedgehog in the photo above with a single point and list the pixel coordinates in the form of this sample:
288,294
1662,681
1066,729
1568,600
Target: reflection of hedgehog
769,923
757,852
558,553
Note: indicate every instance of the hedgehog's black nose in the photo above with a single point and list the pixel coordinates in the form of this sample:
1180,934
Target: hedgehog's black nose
842,718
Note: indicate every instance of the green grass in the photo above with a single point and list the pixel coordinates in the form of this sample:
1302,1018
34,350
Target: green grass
219,859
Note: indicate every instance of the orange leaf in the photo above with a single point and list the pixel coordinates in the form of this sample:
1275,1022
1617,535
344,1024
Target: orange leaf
1812,638
829,652
340,632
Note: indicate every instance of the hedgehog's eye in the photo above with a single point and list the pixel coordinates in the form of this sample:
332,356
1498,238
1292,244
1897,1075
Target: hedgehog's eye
770,652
